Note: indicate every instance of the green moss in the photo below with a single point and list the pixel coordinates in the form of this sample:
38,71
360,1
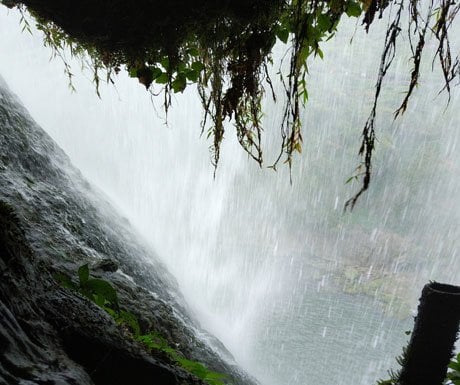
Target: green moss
154,341
102,293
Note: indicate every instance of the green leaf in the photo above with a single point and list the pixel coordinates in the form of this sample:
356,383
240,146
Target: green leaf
162,79
111,312
193,52
385,382
197,66
324,22
454,376
179,83
103,289
65,281
132,72
83,274
87,293
165,63
304,94
282,34
319,53
353,9
303,55
99,300
192,75
156,72
350,179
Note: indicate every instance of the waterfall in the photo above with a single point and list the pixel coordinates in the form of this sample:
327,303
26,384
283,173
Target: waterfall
299,292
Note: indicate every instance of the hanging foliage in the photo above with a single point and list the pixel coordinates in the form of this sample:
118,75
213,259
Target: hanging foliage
224,48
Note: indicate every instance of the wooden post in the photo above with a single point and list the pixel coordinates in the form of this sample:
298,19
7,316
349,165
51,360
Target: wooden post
435,332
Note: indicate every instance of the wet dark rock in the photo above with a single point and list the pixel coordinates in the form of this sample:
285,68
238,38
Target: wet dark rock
107,265
160,25
52,221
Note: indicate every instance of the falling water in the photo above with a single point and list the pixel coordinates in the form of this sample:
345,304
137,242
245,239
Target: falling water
299,292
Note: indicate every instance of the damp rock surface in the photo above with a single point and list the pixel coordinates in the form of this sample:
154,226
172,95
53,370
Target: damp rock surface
52,221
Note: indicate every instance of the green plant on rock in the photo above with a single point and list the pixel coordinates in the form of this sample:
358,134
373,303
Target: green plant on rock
100,291
453,375
103,294
154,341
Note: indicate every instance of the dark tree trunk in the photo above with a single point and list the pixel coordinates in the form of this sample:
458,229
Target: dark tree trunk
435,332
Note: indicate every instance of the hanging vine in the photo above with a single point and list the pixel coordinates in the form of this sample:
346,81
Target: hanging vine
225,49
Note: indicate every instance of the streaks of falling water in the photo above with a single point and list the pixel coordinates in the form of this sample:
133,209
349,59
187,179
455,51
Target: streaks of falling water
300,293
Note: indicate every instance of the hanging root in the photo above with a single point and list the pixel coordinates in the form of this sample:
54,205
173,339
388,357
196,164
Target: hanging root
446,11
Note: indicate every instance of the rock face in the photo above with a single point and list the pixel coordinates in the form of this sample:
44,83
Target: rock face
52,221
